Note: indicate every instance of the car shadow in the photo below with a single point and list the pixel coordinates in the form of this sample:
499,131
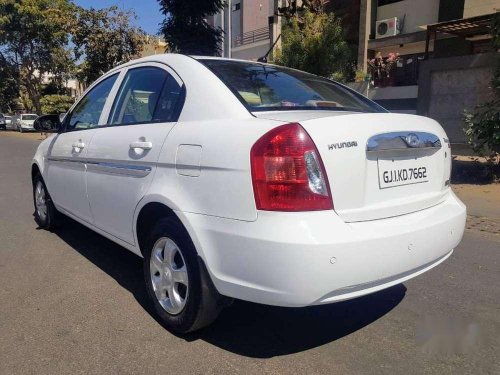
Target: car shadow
244,328
260,331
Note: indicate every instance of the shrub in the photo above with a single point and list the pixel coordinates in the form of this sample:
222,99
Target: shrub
56,104
482,127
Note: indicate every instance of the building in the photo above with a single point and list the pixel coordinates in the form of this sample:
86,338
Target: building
154,45
400,27
446,57
254,28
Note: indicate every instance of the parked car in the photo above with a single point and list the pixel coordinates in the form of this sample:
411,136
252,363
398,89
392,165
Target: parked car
3,122
11,124
8,120
24,122
236,179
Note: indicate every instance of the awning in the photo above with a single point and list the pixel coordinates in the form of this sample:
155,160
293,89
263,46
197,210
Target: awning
464,28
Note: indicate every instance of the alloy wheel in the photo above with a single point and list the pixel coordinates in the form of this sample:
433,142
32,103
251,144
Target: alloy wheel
41,201
169,276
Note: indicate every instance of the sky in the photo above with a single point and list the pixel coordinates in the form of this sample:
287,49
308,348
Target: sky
147,11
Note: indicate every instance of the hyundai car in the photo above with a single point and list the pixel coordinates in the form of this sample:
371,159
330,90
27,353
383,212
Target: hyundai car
243,180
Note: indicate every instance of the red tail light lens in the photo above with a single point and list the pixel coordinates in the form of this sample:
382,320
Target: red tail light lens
287,172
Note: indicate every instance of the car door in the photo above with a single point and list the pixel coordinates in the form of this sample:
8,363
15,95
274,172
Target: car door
122,155
65,176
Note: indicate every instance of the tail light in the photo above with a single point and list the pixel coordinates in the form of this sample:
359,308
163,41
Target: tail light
287,172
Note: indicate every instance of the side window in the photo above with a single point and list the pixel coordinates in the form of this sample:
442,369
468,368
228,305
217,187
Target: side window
88,110
146,94
167,108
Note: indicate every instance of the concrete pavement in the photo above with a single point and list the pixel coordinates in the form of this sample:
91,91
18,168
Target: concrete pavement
74,302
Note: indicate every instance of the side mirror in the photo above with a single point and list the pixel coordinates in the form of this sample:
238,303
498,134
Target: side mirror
48,123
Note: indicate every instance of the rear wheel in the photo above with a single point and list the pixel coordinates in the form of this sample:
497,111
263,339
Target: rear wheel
45,212
177,283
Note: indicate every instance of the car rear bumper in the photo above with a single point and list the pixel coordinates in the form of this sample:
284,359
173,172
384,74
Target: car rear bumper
301,259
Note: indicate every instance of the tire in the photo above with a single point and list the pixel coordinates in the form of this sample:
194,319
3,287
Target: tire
45,218
195,303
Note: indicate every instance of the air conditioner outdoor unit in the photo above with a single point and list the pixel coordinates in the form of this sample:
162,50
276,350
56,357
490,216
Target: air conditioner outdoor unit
388,27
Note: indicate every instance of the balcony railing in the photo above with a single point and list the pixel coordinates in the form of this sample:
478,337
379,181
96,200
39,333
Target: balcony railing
251,37
403,74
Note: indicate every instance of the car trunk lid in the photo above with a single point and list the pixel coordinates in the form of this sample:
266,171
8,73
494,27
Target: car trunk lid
380,165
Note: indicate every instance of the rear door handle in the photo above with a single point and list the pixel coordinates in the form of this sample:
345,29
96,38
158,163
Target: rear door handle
141,145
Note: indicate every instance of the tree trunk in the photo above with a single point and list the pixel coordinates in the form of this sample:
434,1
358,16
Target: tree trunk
32,89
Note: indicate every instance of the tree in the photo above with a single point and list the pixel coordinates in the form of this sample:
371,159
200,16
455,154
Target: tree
315,43
32,35
185,27
9,85
105,38
482,126
55,104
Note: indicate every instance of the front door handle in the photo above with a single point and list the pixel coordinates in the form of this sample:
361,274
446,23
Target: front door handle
141,145
78,146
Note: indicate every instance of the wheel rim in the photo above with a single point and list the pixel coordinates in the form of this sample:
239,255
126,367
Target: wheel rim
169,276
40,201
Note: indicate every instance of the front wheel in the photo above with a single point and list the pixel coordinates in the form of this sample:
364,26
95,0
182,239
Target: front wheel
45,212
177,283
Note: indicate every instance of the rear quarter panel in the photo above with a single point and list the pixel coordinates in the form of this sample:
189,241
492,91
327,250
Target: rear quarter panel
223,187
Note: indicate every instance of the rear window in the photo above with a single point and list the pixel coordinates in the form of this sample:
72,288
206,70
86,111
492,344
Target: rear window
29,117
262,87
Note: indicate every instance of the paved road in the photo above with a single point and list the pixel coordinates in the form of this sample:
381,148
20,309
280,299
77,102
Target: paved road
72,301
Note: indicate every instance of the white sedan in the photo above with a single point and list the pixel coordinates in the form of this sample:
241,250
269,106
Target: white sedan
25,121
236,179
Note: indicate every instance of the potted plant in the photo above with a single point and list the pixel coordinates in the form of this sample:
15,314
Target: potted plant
380,69
391,60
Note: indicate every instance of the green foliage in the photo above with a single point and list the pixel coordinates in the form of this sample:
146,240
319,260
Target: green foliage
105,38
185,27
32,36
315,45
9,86
482,127
56,104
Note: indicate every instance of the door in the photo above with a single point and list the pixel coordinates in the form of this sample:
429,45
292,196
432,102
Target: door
67,154
122,156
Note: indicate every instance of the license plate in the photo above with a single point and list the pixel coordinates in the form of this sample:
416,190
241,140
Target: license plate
399,172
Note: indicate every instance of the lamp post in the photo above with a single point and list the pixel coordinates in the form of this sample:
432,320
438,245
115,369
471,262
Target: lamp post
229,32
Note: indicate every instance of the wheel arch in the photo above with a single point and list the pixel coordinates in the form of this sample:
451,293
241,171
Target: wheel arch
36,169
153,208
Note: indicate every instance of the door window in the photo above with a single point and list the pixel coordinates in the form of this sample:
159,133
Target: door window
87,112
146,95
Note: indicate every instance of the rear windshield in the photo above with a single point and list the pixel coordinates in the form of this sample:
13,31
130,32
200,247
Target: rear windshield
262,87
29,117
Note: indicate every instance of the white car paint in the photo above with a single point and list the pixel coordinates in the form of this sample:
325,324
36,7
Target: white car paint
200,168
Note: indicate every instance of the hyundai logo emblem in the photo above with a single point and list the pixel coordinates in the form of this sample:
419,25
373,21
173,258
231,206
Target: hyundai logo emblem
412,140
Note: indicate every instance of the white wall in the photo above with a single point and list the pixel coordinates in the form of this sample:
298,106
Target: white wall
418,13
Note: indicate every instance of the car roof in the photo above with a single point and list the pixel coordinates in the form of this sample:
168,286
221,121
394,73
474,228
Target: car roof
177,57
